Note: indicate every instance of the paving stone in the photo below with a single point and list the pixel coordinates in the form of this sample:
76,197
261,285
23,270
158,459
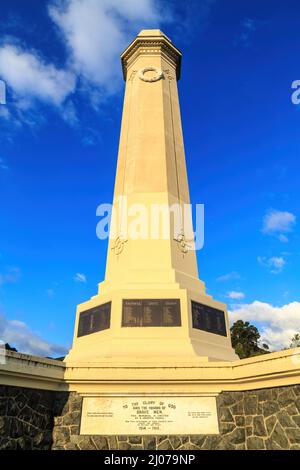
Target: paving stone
135,439
286,397
250,404
165,445
259,428
149,443
270,423
255,443
285,420
175,441
293,435
198,440
239,420
100,442
279,437
264,395
226,416
270,408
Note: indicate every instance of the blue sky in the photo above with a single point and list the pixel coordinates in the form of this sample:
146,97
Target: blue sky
59,133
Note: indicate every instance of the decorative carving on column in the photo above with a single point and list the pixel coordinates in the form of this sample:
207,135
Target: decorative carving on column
182,244
159,74
133,74
119,245
168,74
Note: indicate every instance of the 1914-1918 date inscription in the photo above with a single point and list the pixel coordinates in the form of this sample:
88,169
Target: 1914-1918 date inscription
151,312
208,319
149,415
95,319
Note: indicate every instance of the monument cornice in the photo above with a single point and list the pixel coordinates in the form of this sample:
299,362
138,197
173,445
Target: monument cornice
145,45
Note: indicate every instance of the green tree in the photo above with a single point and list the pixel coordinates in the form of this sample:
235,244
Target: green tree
9,348
245,340
295,341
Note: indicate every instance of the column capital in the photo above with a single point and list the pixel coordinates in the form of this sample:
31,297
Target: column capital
151,41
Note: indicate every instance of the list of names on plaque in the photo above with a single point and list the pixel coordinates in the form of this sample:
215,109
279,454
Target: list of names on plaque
149,415
151,312
95,319
208,319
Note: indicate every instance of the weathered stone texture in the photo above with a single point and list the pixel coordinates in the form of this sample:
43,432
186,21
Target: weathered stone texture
26,418
254,420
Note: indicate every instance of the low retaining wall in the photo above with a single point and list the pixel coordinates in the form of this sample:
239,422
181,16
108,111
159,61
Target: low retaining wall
261,419
27,417
42,420
41,401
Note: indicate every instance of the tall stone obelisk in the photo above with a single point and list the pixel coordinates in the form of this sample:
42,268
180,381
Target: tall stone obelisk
151,306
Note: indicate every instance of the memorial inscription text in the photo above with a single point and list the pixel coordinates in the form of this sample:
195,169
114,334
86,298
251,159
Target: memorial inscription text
149,415
151,312
208,319
95,319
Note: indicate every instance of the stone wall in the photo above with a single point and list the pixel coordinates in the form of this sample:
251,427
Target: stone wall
27,417
40,419
262,419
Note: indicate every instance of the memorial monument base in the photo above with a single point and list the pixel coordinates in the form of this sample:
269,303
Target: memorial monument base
44,404
163,326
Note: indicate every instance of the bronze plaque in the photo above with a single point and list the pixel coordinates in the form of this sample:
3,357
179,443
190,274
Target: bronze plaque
95,319
151,312
131,313
208,319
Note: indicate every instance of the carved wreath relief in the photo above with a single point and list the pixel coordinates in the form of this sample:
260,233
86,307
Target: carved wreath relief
159,74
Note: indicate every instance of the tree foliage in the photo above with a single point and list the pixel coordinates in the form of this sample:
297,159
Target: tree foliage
9,348
245,340
295,341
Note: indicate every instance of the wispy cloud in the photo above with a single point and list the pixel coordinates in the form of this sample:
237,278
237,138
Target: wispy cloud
188,18
20,336
3,165
247,29
11,275
235,295
276,324
233,275
80,277
278,223
275,264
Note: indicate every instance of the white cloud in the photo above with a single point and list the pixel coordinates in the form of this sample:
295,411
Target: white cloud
235,295
79,277
283,238
4,113
277,325
20,336
96,32
278,223
228,277
31,78
275,264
